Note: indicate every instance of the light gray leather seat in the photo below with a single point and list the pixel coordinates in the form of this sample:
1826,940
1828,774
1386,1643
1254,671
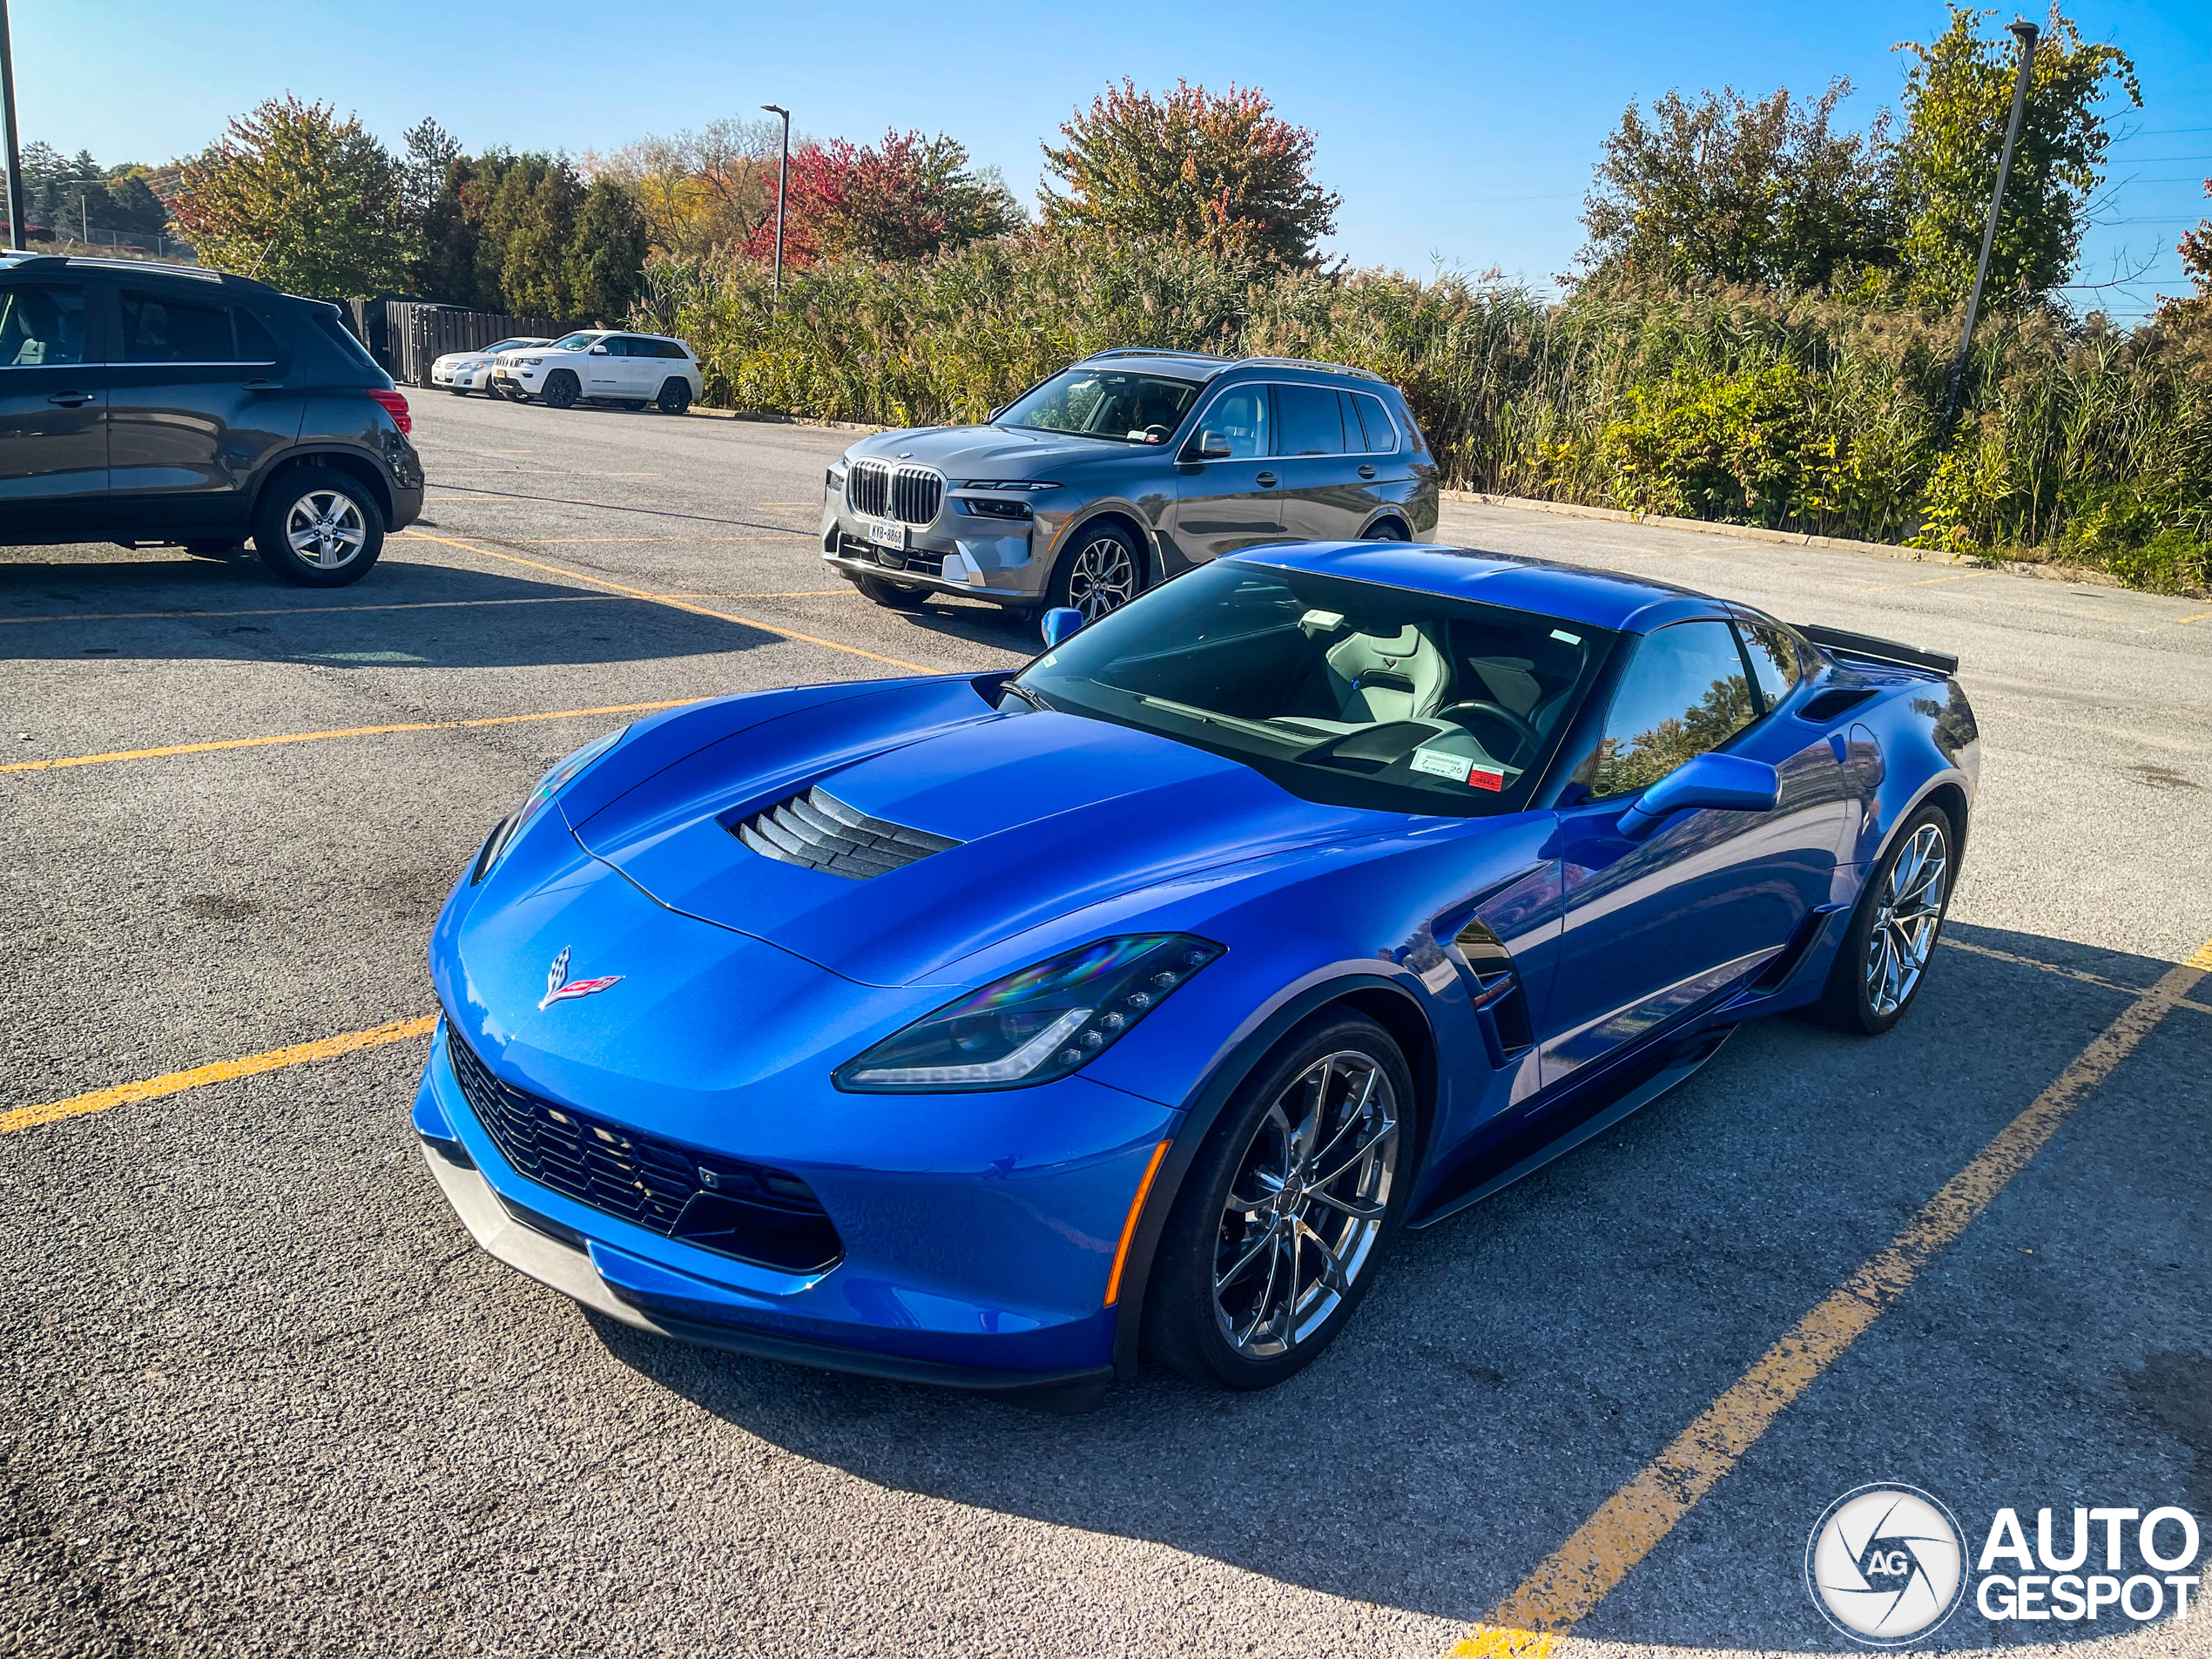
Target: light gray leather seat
1387,676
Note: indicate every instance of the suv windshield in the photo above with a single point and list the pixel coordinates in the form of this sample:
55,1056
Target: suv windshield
1104,403
1343,692
577,342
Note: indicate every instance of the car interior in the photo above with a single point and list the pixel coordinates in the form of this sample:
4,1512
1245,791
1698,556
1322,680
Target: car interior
40,328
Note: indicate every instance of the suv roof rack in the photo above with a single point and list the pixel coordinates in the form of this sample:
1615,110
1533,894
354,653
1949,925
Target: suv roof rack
1154,351
1308,362
16,261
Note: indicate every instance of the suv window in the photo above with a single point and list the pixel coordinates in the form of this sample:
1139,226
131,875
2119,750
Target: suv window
41,327
1684,693
160,329
1382,433
1239,415
1774,661
1310,424
255,343
667,348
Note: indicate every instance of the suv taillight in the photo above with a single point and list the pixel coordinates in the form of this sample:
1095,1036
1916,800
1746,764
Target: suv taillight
395,406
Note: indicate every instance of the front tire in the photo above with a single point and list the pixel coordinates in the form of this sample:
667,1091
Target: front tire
561,390
1276,1234
675,395
892,595
318,526
1883,959
1102,571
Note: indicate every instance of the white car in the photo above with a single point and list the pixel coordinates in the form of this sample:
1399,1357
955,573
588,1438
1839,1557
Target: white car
601,365
464,372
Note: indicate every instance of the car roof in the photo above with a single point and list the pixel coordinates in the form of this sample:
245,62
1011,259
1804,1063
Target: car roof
1572,592
1204,366
54,264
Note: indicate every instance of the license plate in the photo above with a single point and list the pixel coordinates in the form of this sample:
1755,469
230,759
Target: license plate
887,534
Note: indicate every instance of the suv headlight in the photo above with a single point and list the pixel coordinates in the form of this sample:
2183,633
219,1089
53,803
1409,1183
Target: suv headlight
1035,1025
564,771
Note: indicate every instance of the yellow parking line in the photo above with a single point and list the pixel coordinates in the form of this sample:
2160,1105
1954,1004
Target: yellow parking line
547,472
216,1072
678,604
1570,1583
596,540
324,610
2041,967
348,732
1892,587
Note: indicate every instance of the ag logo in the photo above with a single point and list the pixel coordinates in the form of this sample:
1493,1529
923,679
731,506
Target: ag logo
1886,1564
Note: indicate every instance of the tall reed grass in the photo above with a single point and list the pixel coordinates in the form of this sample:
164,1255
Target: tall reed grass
1795,412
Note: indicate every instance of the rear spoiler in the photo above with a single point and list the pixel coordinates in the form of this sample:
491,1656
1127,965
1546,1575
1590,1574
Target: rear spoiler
1868,648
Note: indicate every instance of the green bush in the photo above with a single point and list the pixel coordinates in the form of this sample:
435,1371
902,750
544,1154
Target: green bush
1797,412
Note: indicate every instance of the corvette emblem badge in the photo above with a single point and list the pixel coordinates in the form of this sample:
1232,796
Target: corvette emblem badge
559,987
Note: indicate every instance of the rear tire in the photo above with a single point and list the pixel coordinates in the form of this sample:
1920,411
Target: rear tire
675,395
1255,1276
892,595
1890,943
561,390
318,526
1388,529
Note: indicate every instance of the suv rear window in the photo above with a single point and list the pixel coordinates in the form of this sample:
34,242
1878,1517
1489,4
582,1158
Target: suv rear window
1308,422
164,328
342,337
1382,435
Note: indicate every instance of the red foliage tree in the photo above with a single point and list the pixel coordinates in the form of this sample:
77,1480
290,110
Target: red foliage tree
902,199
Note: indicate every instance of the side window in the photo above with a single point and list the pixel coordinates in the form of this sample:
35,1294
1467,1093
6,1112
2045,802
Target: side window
1382,436
1774,661
1240,417
669,348
1684,692
255,343
157,328
1310,424
40,328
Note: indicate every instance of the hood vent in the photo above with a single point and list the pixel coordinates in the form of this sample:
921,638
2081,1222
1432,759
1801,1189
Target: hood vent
816,831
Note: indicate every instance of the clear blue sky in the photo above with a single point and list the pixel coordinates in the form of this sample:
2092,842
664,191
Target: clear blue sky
1459,134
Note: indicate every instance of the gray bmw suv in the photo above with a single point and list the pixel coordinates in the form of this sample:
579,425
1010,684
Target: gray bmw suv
1122,471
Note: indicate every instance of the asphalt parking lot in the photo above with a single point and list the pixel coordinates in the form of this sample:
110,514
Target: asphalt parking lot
264,1396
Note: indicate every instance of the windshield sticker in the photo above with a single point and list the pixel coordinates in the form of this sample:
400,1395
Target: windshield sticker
1317,623
1563,635
1459,768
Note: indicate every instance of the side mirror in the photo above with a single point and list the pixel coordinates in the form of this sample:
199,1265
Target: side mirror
1210,446
597,350
1060,623
1725,783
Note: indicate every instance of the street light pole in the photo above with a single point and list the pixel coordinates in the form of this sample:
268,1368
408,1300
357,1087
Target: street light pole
783,172
2026,33
13,154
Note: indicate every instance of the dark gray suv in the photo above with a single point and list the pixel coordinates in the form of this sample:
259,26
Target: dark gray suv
151,404
1122,471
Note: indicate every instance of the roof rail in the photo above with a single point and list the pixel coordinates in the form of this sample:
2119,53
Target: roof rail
15,259
160,267
1308,362
1154,351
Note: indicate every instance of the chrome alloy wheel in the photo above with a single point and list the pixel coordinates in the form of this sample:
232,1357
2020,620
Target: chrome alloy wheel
325,529
1306,1206
1103,577
1906,919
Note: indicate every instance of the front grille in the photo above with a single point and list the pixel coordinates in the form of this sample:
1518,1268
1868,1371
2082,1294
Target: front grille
724,1204
911,494
816,831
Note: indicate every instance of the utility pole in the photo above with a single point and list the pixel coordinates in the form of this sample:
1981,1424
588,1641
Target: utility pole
2026,33
13,154
783,170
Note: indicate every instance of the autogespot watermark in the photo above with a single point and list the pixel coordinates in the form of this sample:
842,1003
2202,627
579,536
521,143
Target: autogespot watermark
1886,1564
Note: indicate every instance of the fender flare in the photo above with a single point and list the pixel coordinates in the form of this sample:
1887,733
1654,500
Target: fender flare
1202,1110
1115,507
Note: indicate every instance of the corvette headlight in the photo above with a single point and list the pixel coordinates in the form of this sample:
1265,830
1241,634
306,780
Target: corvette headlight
1035,1025
564,771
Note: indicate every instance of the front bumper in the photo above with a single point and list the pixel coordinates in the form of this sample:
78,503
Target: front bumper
975,558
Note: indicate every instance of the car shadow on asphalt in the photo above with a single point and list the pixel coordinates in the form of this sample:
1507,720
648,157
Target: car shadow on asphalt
1515,1364
406,614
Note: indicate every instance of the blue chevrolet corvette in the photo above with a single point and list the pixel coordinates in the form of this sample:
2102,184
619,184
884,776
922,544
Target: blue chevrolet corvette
998,1030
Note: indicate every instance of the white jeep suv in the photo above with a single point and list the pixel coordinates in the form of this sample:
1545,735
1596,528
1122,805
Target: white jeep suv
600,365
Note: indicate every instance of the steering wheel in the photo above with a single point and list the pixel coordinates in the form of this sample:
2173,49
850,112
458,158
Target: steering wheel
1524,734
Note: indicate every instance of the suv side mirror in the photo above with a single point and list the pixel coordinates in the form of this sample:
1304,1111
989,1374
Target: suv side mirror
597,350
1727,783
1060,623
1210,446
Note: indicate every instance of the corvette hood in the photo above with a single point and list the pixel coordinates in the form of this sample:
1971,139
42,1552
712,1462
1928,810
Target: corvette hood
1049,813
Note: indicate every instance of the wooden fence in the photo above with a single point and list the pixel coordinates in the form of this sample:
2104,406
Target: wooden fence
417,335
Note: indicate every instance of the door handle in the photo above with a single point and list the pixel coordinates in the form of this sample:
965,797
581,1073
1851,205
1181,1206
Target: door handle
1266,481
71,400
1366,472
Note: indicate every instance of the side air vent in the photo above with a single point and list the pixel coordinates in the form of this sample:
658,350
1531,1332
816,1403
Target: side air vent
1497,997
816,831
1826,707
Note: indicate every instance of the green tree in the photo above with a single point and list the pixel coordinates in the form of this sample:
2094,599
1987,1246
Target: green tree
445,262
132,205
431,151
1724,189
1224,171
606,263
1957,101
303,199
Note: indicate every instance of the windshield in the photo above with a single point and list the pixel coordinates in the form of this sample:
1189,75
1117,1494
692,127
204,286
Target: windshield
512,345
577,342
1343,691
1104,403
